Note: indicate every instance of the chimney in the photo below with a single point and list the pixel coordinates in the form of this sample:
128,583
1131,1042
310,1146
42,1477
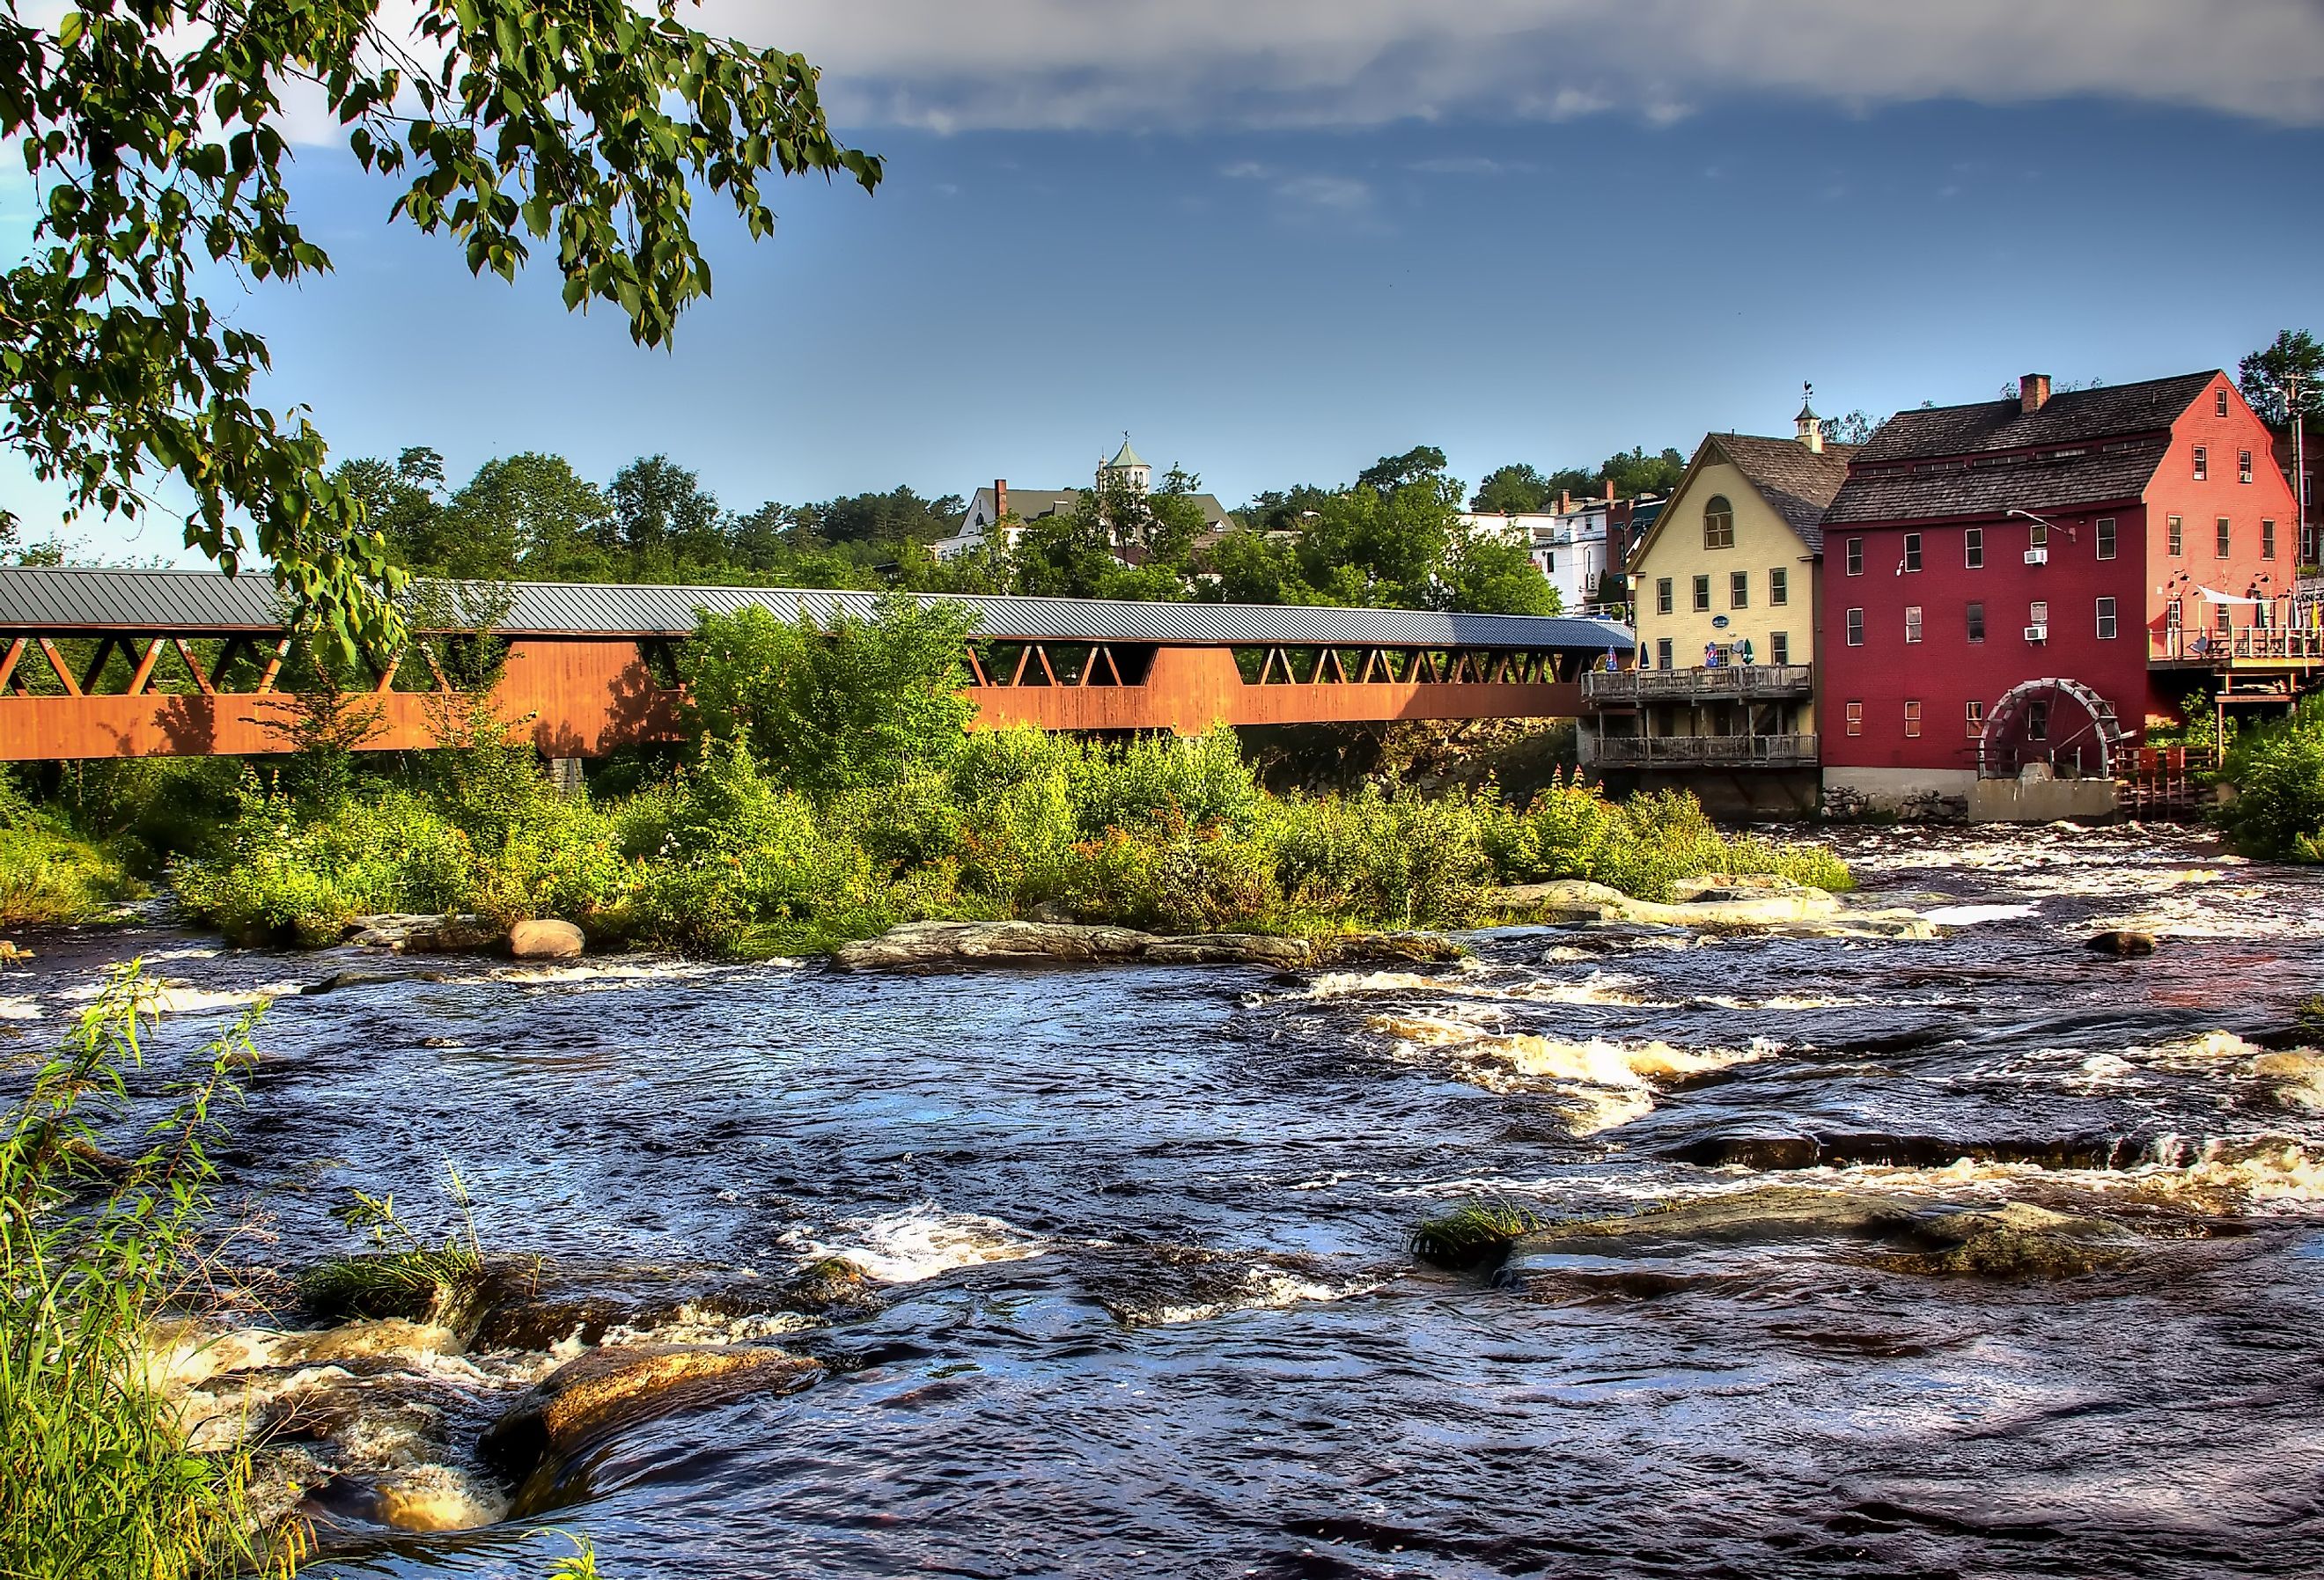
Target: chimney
2033,391
1609,491
1565,501
999,497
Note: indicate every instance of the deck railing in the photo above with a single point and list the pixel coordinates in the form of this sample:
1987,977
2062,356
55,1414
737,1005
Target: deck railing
1699,751
2201,644
1729,683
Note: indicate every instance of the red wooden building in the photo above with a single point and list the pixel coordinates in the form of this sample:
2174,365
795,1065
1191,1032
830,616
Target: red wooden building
2011,589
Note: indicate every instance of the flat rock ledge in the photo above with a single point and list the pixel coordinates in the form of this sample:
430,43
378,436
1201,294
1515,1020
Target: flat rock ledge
1716,904
927,944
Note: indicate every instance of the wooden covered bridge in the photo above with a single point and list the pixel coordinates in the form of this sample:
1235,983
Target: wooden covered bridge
129,664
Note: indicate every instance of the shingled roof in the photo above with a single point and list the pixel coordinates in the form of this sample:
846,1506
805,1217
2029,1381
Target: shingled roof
1797,482
2082,447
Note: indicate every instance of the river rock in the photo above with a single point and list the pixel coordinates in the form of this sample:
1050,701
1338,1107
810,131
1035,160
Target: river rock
922,944
2123,942
1728,904
602,1391
529,1303
439,935
544,939
1389,948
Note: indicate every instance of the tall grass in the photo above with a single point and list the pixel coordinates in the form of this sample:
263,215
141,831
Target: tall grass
95,1475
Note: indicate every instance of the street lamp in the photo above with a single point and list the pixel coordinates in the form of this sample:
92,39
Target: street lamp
2045,522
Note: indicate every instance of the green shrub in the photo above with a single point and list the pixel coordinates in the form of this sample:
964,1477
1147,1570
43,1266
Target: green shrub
1402,858
2277,813
287,873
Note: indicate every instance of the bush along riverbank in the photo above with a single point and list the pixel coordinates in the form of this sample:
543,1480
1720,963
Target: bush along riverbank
834,790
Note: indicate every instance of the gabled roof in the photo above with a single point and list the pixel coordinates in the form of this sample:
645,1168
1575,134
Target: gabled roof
2082,447
1796,482
2074,417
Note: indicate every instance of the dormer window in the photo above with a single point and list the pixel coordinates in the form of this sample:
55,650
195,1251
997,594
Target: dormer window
2223,401
1718,524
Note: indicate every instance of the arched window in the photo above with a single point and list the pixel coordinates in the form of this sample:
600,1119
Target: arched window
1718,524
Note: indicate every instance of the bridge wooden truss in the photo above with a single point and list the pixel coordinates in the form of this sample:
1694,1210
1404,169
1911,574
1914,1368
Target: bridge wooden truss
144,663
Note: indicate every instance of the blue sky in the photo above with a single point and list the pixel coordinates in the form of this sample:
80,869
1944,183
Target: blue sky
1274,276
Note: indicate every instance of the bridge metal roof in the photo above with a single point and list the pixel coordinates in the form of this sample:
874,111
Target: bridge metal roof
65,598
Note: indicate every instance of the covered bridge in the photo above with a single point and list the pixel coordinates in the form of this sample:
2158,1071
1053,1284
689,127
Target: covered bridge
121,663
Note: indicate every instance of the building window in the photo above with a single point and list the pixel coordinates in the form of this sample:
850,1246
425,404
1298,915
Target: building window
1739,589
2225,618
1662,594
2037,621
2106,619
1663,654
2267,540
1973,548
1779,647
2038,536
1911,623
1779,587
1976,622
2106,537
2225,536
2223,403
1975,719
2202,463
2175,530
1702,593
1912,552
1856,628
1912,718
1856,556
1718,524
2243,465
1856,719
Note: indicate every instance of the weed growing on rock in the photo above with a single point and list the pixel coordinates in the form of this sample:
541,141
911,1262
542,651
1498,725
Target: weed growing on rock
1474,1233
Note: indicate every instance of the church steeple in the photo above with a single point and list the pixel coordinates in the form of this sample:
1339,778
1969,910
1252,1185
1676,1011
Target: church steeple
1128,468
1811,426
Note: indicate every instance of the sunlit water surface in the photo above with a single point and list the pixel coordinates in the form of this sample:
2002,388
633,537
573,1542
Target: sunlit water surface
1048,1388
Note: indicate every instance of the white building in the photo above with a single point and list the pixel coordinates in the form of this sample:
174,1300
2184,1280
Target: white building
1568,544
1030,505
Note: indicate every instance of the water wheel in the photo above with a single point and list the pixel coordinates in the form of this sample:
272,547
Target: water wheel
2060,722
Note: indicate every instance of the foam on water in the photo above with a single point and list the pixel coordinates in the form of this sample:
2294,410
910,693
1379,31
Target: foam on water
924,1241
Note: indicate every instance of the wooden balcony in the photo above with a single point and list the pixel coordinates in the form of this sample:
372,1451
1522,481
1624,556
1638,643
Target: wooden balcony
1728,683
2265,647
1699,751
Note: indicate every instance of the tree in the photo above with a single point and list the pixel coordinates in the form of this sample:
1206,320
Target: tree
1391,472
2292,359
1283,510
1856,428
1514,490
399,501
662,519
1639,472
154,133
1485,573
530,515
897,516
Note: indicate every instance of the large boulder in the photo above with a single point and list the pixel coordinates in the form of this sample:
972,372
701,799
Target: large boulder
605,1390
924,944
2124,943
1729,903
544,939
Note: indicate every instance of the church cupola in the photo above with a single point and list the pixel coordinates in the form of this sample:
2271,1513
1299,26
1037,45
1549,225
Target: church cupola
1811,426
1129,470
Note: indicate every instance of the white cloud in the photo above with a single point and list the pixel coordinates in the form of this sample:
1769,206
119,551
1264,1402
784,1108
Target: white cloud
1194,64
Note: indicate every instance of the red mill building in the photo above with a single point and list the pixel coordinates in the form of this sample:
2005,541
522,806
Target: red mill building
2011,589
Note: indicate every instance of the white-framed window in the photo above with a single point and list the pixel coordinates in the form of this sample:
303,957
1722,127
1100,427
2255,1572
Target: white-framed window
2243,465
2222,407
2202,462
1779,647
1663,653
1779,587
2226,535
2266,539
1662,594
1976,622
1856,556
1912,552
1911,623
1856,628
1856,719
2174,530
1912,718
1973,548
2106,619
2106,537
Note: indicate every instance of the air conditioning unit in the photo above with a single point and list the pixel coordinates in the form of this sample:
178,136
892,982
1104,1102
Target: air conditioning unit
2037,557
2037,633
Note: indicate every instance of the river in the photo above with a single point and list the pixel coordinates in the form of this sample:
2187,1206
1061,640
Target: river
1139,1236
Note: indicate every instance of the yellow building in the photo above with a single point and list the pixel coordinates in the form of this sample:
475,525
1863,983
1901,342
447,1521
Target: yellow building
1725,586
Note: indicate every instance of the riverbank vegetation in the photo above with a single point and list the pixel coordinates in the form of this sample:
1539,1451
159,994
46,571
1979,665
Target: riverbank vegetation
95,1477
835,789
2277,769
